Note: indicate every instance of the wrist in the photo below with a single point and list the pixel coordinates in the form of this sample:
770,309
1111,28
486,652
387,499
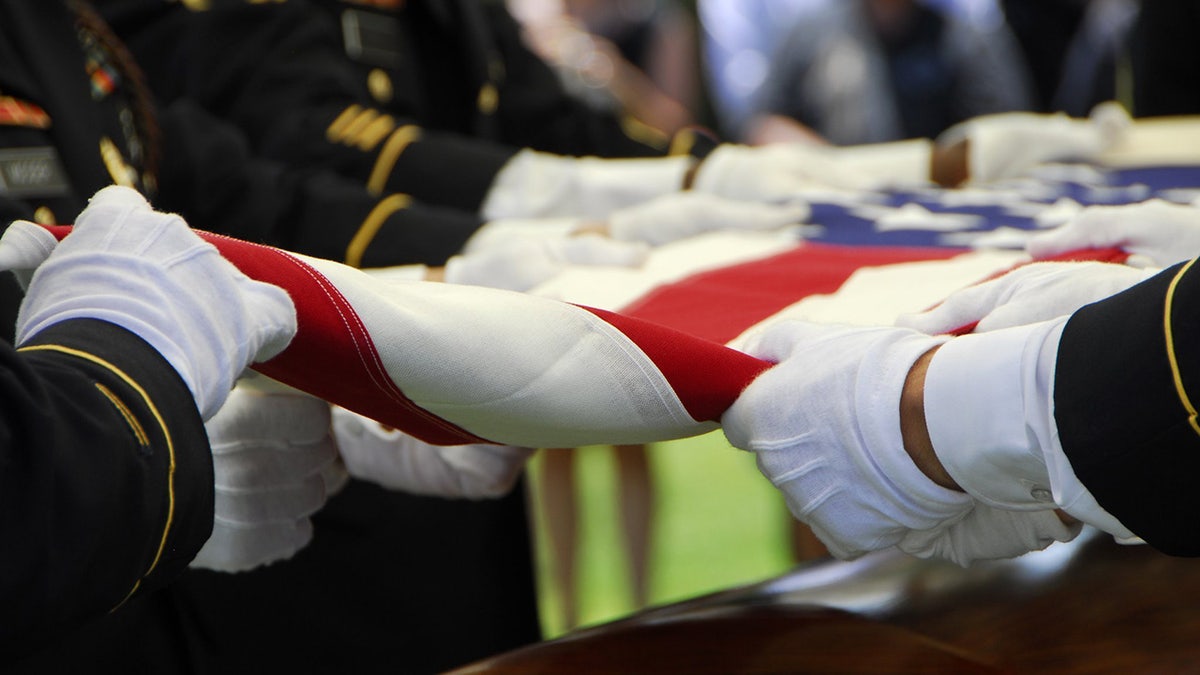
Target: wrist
913,429
592,227
948,163
689,176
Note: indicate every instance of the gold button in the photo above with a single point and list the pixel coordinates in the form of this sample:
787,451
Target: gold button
380,85
44,216
489,99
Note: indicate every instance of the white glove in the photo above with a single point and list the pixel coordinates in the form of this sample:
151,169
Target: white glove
990,534
271,450
824,425
686,214
540,185
1162,232
1006,145
781,172
149,273
398,461
1028,294
524,264
23,248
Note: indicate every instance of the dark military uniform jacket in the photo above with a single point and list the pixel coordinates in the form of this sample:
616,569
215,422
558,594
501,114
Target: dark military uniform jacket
105,475
428,98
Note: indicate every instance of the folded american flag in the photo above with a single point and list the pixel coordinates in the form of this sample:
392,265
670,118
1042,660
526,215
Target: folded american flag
458,364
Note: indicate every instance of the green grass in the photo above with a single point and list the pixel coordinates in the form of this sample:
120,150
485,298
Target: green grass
718,524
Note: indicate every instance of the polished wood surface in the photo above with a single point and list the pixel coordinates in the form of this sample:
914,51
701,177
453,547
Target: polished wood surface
731,639
1091,606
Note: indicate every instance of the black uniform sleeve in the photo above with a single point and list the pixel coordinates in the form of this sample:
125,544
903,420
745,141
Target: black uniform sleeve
210,176
1126,385
105,478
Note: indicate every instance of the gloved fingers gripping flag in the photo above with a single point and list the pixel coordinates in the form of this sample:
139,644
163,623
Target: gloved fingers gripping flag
454,365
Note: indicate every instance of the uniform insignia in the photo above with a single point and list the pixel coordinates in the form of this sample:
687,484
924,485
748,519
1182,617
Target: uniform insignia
103,74
104,78
372,38
122,174
17,113
32,172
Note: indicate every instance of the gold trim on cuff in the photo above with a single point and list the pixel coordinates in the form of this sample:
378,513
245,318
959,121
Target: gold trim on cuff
162,544
389,155
1171,356
371,226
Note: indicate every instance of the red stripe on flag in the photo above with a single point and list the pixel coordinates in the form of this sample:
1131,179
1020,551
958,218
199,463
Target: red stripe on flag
707,376
720,304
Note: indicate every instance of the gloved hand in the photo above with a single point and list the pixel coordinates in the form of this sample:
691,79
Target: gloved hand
526,263
1160,232
771,173
23,247
781,172
1006,145
271,449
989,533
685,214
824,425
149,273
1028,294
540,185
397,461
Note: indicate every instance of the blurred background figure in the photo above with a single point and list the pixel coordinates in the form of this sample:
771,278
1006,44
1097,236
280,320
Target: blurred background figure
1164,59
638,56
1075,50
872,71
737,40
739,37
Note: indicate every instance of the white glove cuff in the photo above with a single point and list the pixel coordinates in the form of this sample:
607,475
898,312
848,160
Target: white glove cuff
540,185
505,232
881,380
990,421
456,271
889,165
